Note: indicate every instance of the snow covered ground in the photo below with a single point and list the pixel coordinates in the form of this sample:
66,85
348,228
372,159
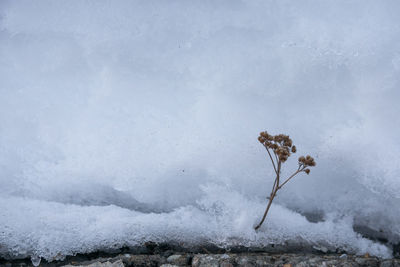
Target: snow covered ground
52,230
128,121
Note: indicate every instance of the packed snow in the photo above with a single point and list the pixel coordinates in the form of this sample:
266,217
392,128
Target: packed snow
123,122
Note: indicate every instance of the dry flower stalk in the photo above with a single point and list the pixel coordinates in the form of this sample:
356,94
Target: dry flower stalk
279,148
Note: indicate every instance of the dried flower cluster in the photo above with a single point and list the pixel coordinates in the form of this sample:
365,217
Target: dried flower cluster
305,162
281,147
280,144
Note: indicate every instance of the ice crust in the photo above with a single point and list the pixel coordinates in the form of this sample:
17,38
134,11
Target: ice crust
128,121
52,230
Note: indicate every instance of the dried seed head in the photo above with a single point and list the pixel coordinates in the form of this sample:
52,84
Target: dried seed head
308,161
307,171
287,141
312,163
266,136
282,146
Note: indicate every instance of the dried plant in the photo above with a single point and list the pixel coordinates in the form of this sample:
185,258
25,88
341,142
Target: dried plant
281,147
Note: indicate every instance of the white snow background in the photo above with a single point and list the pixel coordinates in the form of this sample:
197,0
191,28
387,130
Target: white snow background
128,121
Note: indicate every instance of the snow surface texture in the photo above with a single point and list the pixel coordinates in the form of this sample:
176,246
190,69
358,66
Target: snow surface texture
127,121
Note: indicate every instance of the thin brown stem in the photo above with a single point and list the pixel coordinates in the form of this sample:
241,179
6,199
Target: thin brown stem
273,188
276,157
273,163
279,172
281,146
267,209
287,180
273,194
294,174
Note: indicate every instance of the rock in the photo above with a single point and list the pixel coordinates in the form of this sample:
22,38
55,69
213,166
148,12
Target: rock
167,253
242,260
367,261
144,260
225,256
195,261
205,260
321,248
117,263
173,258
226,264
224,260
386,263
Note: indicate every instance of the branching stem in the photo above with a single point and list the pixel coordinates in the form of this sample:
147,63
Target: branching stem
276,157
291,176
282,147
273,163
276,187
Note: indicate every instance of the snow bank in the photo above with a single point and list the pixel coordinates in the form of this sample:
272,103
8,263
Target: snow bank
52,230
116,116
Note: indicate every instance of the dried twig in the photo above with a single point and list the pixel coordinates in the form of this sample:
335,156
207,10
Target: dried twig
282,147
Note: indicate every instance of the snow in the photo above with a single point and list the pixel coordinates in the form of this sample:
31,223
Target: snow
128,121
52,230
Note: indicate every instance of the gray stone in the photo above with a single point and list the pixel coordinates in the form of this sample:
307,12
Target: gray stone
226,264
225,256
225,260
173,258
367,261
205,260
387,263
117,263
321,248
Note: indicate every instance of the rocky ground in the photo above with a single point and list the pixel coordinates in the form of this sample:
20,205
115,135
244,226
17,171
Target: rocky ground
223,260
170,254
245,259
